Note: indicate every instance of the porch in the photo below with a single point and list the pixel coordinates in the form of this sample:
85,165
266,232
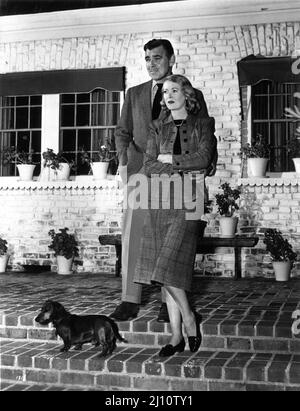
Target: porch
248,342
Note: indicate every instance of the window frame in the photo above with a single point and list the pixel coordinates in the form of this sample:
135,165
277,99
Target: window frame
50,124
250,129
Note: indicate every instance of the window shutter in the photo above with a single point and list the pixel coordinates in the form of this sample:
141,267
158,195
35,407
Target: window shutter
62,81
253,69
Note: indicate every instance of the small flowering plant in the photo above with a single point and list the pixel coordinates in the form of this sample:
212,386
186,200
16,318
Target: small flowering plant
11,155
103,154
53,160
259,149
63,243
293,146
277,246
227,201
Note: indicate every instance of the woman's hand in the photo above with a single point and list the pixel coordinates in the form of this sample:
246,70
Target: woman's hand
165,158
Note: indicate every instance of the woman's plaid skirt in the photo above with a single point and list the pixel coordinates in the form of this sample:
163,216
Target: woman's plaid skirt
168,249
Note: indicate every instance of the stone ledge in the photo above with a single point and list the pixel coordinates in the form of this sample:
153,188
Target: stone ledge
86,182
287,179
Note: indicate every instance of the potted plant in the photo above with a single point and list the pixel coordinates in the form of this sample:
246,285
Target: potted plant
293,146
227,205
59,167
281,252
23,161
3,255
65,247
257,156
99,160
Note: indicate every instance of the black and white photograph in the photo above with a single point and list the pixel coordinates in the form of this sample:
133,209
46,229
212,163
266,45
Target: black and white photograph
150,198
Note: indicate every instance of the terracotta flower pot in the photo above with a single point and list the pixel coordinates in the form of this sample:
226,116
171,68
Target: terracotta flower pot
3,262
282,270
228,226
99,169
26,171
63,173
64,265
257,167
60,174
297,164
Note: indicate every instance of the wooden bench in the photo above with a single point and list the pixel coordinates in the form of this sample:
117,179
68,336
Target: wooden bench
205,245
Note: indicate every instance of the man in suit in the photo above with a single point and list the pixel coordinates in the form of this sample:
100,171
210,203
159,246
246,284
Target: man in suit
141,106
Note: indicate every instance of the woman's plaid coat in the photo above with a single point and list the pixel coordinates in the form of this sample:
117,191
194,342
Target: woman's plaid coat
169,241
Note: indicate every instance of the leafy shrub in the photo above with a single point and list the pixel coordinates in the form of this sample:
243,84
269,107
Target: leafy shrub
53,160
3,246
259,149
293,147
226,201
63,244
279,248
11,155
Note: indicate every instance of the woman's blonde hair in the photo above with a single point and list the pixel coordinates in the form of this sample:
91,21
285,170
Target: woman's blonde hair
192,104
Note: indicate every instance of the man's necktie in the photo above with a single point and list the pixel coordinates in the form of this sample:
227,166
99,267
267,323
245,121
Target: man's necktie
156,108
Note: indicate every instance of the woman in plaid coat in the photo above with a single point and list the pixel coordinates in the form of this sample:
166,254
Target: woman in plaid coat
179,142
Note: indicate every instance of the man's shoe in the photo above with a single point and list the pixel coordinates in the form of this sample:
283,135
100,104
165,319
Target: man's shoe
163,316
125,311
169,350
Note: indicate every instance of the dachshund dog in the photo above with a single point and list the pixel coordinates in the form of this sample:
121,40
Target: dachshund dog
80,329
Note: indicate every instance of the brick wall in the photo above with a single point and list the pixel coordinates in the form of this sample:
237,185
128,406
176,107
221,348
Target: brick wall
207,56
265,203
29,211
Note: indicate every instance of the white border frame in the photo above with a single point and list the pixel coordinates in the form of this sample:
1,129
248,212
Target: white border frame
151,17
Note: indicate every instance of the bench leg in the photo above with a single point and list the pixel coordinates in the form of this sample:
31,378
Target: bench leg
119,259
237,264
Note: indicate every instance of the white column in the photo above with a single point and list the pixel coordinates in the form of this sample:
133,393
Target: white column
249,114
50,122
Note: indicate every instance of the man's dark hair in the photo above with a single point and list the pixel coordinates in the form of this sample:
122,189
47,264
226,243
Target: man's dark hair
152,44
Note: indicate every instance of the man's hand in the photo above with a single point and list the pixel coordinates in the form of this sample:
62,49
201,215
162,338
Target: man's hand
211,170
165,158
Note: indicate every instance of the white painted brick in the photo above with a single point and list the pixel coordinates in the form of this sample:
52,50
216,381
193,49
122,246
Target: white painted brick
213,35
214,69
214,83
207,50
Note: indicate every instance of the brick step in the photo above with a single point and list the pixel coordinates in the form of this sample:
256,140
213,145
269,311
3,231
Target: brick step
7,385
250,335
137,368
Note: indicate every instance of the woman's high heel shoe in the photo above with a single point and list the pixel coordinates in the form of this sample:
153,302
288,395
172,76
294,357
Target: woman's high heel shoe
195,342
170,350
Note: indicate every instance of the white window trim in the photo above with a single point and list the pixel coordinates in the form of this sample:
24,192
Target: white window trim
249,114
50,122
283,174
145,17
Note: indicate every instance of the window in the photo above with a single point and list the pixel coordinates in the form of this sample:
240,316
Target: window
20,119
267,87
268,102
87,121
56,109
